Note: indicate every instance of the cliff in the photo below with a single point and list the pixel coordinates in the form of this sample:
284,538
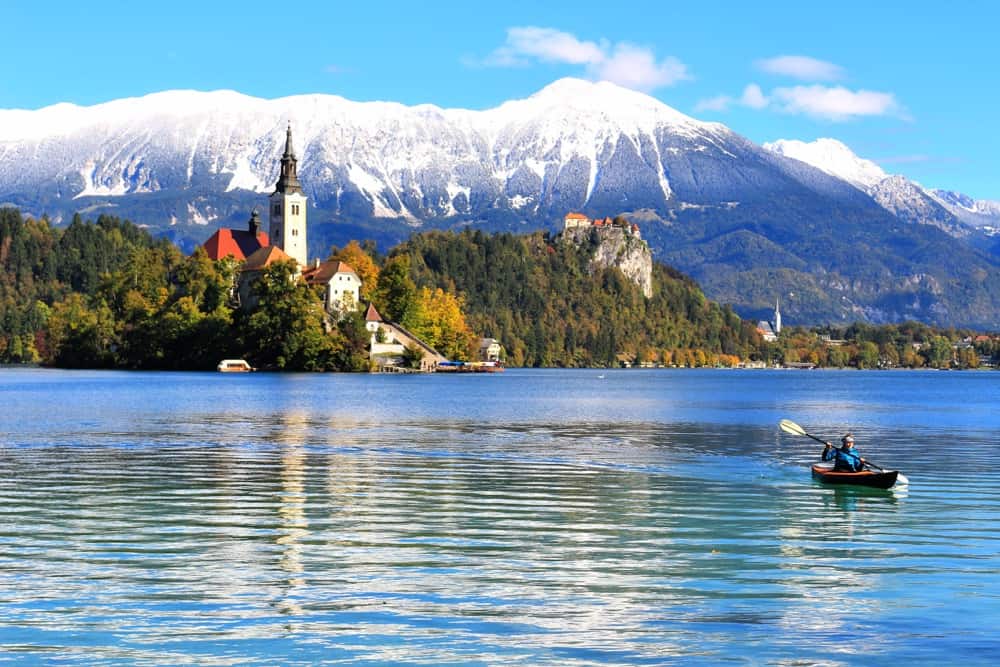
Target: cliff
620,248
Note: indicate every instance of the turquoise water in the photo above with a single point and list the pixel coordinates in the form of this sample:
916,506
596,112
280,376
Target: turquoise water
564,517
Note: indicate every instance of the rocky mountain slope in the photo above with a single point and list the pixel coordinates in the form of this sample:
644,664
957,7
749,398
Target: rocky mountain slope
749,222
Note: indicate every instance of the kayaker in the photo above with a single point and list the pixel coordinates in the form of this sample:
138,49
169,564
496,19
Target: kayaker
846,458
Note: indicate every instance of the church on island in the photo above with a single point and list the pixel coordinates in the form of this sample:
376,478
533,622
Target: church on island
286,239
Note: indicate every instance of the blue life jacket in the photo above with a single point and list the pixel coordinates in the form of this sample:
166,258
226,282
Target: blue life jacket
847,460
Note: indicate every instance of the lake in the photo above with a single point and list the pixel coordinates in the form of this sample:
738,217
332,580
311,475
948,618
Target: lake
534,517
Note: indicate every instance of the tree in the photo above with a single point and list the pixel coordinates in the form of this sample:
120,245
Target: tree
286,331
939,352
413,356
867,355
352,344
396,289
436,317
80,336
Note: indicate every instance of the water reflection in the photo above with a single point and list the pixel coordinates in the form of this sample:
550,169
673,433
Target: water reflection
306,519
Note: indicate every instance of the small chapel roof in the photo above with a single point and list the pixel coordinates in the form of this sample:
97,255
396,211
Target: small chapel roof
372,315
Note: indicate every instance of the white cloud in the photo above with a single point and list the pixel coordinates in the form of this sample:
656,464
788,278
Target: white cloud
828,103
635,67
837,104
754,97
802,67
717,103
550,45
622,63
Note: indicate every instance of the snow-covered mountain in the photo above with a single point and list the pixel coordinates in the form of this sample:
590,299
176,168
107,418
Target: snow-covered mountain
982,214
747,221
905,199
186,156
834,158
563,146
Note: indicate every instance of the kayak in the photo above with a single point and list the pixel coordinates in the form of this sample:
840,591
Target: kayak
873,478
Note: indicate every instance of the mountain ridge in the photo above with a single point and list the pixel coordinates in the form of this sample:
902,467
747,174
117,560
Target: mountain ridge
747,222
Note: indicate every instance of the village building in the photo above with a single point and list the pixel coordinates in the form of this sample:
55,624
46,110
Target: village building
389,341
237,243
490,349
252,270
341,285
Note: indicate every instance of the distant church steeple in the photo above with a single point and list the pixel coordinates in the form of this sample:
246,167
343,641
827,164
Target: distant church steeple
288,207
777,318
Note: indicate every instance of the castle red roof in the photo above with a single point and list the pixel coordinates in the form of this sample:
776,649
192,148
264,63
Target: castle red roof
576,216
236,242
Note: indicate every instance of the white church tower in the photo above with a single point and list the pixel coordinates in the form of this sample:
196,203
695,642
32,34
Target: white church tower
288,208
777,318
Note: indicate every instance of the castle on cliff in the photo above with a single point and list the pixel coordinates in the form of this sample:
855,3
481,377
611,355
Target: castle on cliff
620,246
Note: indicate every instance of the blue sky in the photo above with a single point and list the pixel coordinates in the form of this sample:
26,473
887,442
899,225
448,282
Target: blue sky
911,85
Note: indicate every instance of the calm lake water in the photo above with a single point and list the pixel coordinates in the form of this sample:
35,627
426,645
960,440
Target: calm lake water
565,517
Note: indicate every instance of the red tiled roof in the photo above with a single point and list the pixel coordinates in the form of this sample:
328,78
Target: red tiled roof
321,274
371,315
236,242
576,216
265,257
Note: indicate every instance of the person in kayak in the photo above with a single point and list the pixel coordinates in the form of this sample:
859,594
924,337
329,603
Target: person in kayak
845,459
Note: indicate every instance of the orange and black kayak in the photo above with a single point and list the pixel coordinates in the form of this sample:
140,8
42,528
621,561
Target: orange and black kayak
876,479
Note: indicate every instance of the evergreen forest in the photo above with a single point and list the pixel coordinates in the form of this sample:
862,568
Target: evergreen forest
107,294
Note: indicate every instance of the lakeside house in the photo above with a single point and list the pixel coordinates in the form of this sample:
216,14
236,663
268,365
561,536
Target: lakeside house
389,341
490,349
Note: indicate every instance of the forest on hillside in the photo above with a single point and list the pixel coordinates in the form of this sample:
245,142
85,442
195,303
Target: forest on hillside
538,296
107,294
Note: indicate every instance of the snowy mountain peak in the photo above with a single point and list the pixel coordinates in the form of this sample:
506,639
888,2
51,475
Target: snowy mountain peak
833,157
588,104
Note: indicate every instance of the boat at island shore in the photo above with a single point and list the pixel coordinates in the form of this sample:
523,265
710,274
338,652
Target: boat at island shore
878,479
470,367
234,366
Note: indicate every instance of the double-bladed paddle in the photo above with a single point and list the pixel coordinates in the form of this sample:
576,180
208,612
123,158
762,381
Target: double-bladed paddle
788,426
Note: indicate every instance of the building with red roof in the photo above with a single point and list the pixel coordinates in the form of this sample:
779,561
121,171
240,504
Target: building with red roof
237,243
341,284
252,270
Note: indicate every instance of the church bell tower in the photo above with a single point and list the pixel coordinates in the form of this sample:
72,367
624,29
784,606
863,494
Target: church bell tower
288,208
